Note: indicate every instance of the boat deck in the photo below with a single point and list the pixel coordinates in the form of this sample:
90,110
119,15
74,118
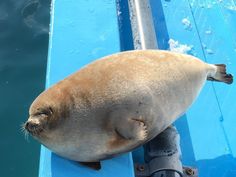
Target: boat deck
82,31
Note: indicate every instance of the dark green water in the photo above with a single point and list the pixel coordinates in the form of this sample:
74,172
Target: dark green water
23,56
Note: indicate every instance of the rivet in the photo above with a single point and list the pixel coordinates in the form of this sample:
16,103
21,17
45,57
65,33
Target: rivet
189,171
140,168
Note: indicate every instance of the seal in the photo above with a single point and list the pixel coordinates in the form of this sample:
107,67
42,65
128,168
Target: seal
118,103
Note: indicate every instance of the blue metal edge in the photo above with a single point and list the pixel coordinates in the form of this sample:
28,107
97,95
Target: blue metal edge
59,67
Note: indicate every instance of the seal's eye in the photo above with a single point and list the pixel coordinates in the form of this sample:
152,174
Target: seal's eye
44,112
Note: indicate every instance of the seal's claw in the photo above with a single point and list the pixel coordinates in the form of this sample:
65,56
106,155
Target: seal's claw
141,130
134,129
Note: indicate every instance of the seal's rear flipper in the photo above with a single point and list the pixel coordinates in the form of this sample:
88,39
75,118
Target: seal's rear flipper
221,75
92,165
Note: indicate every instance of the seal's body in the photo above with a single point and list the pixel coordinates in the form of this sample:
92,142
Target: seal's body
118,103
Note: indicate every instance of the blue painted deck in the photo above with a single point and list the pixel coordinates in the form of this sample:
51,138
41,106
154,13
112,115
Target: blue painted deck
82,32
207,130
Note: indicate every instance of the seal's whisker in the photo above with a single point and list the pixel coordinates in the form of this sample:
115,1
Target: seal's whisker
22,127
24,131
26,135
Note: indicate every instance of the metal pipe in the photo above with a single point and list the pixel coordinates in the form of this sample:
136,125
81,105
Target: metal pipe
164,158
143,30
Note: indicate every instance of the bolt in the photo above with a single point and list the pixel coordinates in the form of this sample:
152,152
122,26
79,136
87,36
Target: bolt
140,168
189,171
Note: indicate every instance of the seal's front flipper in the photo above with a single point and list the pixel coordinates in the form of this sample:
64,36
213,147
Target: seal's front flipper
221,75
92,165
133,129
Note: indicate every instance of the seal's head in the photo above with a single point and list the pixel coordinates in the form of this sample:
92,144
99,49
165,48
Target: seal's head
45,113
40,115
38,119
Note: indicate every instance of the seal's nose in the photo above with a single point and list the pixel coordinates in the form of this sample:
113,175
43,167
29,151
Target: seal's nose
31,126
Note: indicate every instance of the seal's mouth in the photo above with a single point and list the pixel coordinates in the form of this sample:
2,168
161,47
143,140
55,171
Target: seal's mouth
35,128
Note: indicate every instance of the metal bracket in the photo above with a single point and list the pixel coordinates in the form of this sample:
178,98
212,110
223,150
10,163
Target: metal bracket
162,156
143,170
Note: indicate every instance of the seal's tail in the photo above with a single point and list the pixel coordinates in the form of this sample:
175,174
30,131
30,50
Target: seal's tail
221,75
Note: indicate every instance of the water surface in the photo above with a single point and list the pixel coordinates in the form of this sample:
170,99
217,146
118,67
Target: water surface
23,55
